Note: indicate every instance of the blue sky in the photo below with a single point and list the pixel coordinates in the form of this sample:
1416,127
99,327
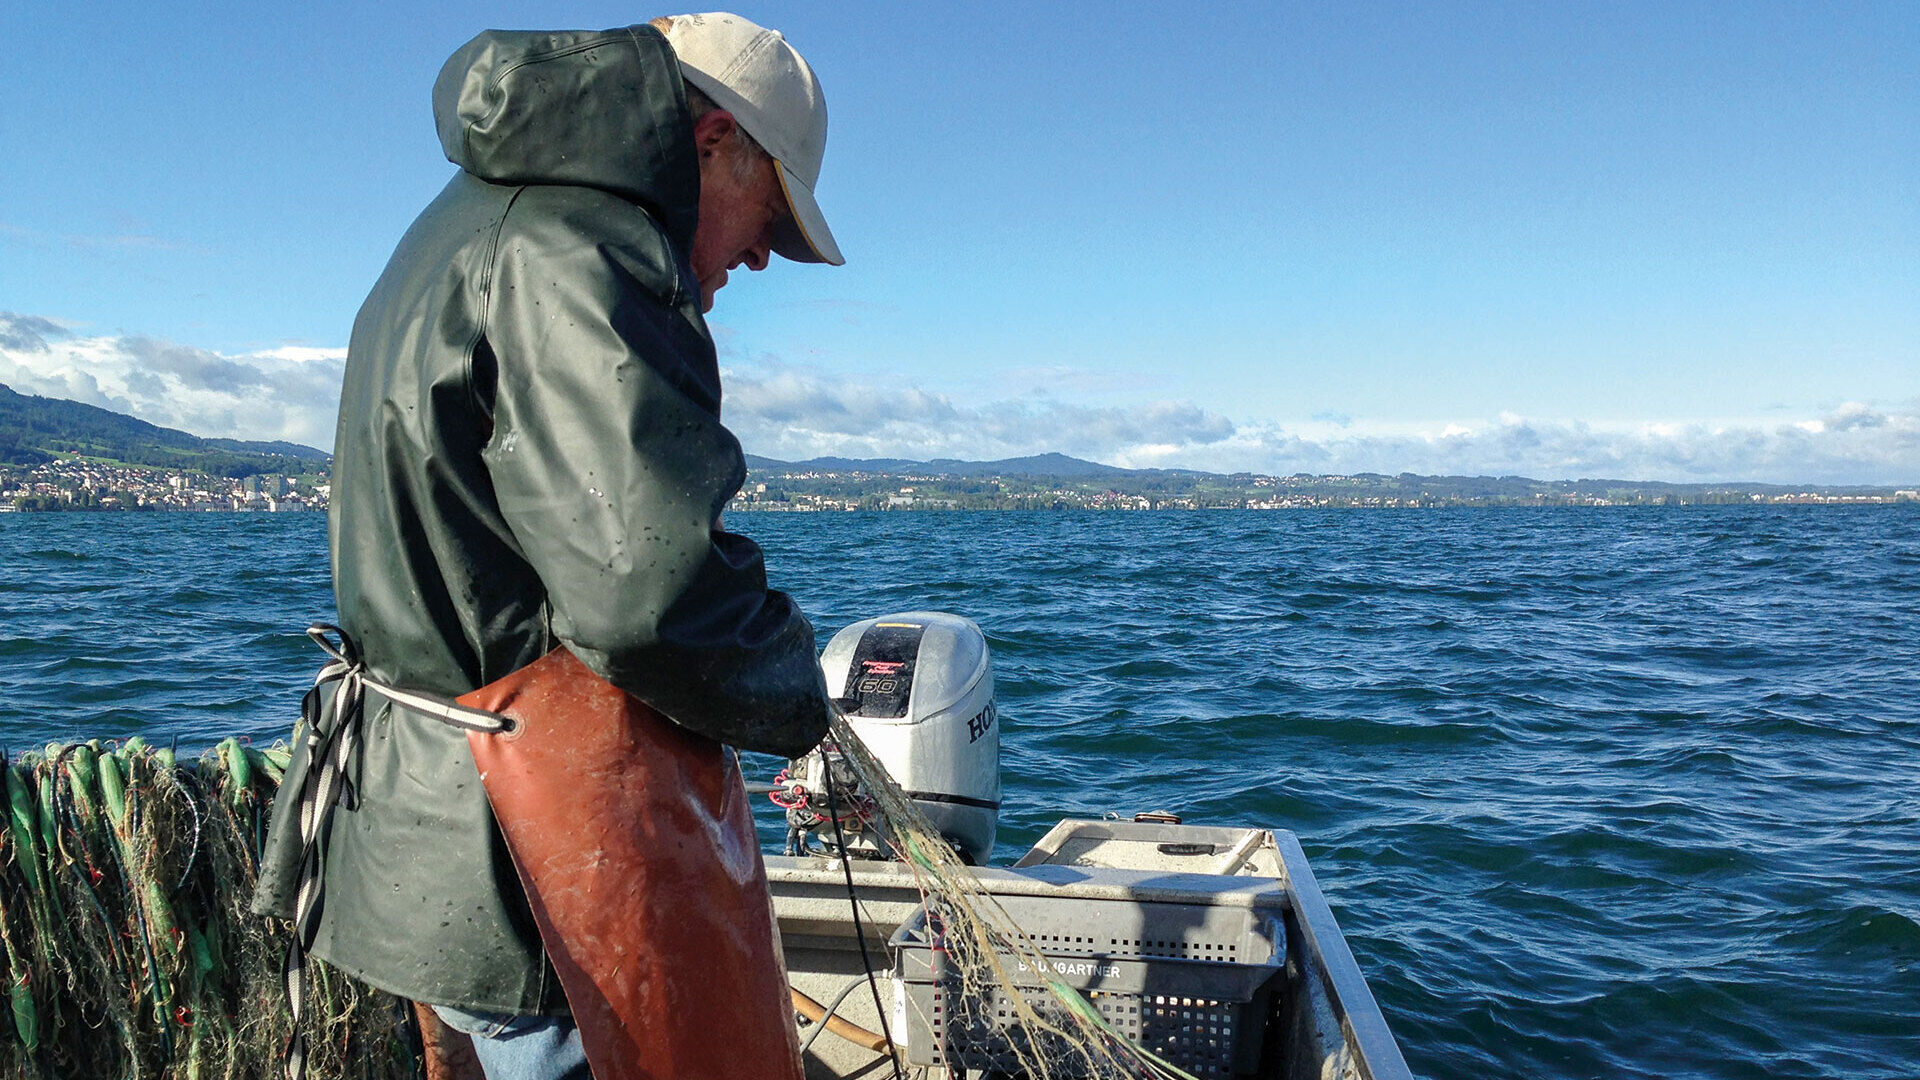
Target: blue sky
1671,241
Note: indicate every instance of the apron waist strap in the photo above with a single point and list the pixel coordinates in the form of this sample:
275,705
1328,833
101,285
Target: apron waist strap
343,682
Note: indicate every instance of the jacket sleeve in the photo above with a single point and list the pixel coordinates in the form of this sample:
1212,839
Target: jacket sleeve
611,467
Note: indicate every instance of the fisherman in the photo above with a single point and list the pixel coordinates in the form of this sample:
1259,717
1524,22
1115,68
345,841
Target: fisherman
530,457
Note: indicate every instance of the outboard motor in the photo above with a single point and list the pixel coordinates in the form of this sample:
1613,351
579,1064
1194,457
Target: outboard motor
918,690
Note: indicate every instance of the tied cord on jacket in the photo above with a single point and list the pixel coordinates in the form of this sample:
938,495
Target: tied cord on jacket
329,747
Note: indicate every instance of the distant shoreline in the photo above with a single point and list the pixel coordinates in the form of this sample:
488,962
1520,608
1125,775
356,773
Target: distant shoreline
1852,501
1048,482
762,508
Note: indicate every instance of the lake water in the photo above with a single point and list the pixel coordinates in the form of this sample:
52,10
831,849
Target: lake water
1594,793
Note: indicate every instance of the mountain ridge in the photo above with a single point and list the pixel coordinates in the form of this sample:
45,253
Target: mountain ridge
35,430
1071,470
1032,465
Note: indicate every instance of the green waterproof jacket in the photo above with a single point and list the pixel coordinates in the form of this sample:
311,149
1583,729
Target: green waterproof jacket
530,454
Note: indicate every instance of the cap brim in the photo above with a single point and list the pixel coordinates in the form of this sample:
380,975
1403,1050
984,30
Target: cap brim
805,237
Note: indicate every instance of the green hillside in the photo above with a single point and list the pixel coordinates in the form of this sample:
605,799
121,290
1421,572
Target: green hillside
33,430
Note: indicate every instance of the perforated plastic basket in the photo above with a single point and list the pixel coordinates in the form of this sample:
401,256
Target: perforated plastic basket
1190,982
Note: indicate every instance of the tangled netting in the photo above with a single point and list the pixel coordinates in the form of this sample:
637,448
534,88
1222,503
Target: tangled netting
1053,1035
127,950
126,946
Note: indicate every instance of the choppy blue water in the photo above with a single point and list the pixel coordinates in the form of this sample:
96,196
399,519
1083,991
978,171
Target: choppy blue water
1594,793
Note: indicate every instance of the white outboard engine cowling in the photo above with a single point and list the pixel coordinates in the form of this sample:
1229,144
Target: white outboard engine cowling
918,690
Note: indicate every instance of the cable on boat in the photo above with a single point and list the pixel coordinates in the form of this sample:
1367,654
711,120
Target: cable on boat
859,931
824,1020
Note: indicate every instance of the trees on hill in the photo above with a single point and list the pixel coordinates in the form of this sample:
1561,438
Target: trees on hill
33,430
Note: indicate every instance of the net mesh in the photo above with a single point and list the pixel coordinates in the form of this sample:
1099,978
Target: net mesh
1055,1036
126,946
127,950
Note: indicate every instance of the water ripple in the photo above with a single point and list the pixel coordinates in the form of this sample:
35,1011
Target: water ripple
1593,793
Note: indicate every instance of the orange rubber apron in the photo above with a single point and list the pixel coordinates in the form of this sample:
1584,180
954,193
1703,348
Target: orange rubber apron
635,843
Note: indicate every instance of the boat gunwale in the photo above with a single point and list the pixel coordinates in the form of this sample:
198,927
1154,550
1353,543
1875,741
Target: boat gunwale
1361,1020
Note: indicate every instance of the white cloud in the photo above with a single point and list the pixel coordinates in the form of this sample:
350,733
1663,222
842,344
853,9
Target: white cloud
793,413
790,413
289,393
1855,444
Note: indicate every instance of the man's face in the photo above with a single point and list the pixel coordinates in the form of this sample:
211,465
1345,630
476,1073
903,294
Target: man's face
737,212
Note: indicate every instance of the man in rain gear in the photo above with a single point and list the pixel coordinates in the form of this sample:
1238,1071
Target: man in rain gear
530,456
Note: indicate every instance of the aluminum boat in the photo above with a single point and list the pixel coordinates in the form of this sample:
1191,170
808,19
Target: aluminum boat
1314,1017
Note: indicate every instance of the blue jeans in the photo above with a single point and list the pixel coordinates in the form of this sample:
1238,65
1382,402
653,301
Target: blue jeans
521,1047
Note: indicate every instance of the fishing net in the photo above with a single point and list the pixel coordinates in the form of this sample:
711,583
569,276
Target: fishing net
127,950
126,946
1056,1035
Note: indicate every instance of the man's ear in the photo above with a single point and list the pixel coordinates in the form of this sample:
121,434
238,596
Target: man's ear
712,129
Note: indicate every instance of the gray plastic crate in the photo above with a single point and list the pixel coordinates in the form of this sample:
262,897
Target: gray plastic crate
1190,982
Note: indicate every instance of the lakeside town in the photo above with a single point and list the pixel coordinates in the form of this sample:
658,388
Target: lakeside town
855,490
76,483
87,484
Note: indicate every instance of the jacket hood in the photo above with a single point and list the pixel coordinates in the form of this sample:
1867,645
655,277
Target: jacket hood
603,108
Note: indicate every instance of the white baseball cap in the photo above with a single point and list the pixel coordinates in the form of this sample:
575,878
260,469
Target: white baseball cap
753,73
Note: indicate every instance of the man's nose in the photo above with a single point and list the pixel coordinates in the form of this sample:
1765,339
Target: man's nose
756,256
